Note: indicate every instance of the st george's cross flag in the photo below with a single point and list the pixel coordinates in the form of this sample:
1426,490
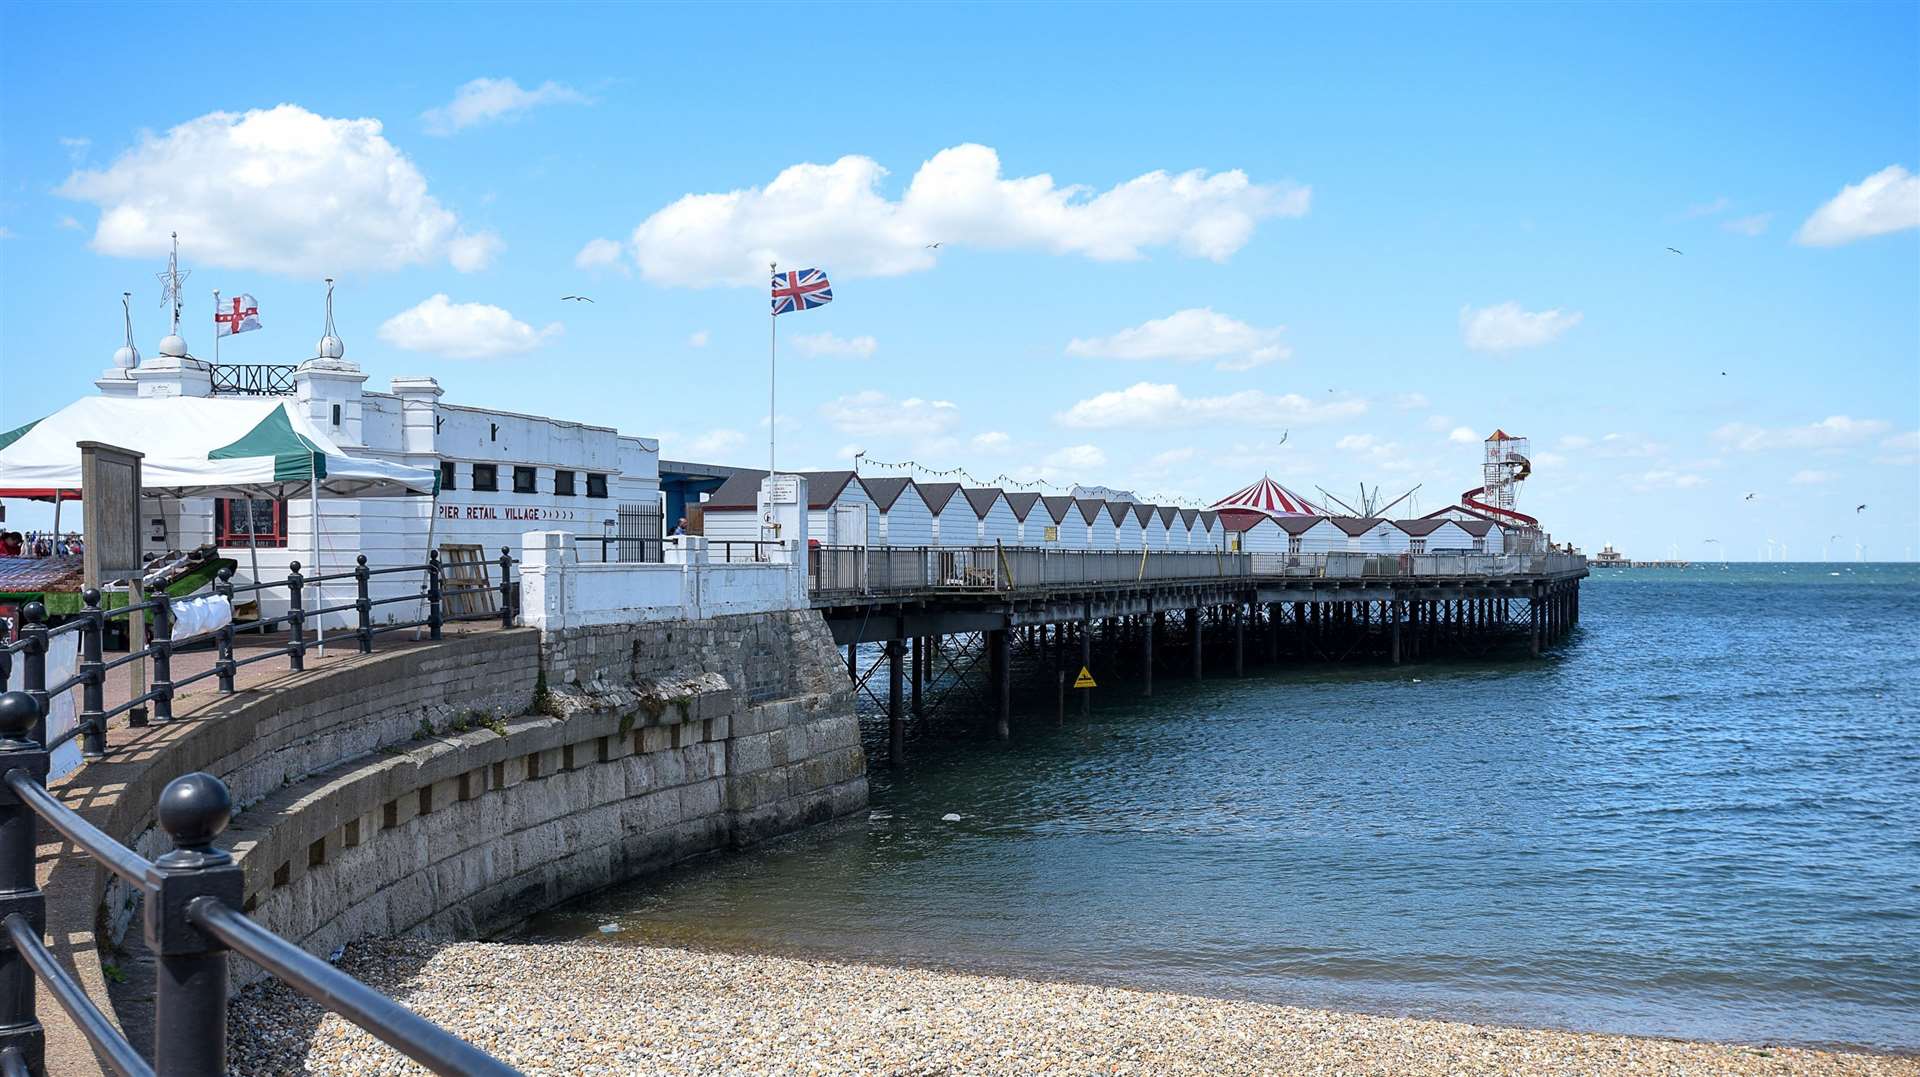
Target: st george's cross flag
800,289
242,315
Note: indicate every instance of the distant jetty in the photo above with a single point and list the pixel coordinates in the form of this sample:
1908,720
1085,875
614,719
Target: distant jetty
1608,557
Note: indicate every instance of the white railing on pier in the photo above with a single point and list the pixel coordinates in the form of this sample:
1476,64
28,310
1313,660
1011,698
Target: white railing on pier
1344,565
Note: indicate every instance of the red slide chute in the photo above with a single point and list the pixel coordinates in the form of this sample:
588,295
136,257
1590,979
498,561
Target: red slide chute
1471,498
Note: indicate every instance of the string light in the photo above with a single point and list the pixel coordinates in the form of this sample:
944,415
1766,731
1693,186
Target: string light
1005,480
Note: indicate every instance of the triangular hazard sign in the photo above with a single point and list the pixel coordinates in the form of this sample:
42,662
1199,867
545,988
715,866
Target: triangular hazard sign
1085,680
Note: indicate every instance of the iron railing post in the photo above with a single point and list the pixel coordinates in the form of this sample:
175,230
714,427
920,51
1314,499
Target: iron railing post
435,618
190,982
93,703
162,648
362,604
296,620
223,640
33,671
506,587
19,890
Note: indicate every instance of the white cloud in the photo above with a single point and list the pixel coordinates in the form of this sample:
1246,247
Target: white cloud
1907,442
601,254
1807,476
835,216
1463,435
472,253
1411,401
1548,459
699,338
1075,458
1668,479
1887,201
1146,404
281,190
1163,460
1575,441
713,443
1439,424
1708,209
826,344
463,330
485,100
1831,432
1505,326
69,223
875,414
1751,225
1193,335
990,441
76,147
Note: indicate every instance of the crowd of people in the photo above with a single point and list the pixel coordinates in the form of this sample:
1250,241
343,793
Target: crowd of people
41,544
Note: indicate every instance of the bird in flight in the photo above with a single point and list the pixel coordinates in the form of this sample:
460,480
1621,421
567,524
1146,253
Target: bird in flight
1749,497
1676,250
1723,373
576,298
1858,509
934,246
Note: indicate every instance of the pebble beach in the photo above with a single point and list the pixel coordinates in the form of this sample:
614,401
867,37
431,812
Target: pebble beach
580,1010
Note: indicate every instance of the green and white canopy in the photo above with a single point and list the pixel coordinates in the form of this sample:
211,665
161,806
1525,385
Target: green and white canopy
201,447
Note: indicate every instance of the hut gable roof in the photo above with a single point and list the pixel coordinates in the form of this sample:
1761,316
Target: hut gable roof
1209,517
1117,511
1476,528
1057,507
1089,510
886,491
1244,521
742,490
1355,526
1189,515
1143,513
1299,525
1167,513
1022,502
937,494
1419,528
982,499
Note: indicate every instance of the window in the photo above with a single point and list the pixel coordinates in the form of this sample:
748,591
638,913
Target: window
596,485
523,480
1293,545
446,475
486,477
563,483
266,528
1418,545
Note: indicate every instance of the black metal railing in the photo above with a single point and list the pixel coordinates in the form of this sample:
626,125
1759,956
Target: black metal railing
92,623
253,379
191,919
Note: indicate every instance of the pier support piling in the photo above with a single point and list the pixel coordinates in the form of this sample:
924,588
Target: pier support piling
1086,662
1146,655
1198,634
1239,640
896,716
1001,669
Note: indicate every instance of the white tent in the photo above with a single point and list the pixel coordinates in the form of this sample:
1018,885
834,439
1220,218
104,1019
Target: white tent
203,447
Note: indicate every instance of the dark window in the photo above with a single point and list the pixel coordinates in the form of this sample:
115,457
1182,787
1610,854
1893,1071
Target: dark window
596,485
336,415
523,480
563,483
266,528
485,477
446,475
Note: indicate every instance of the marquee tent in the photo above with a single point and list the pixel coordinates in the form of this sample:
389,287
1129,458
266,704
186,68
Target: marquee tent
1268,498
211,447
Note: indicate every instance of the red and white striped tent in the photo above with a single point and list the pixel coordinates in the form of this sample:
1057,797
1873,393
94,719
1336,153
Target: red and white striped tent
1269,498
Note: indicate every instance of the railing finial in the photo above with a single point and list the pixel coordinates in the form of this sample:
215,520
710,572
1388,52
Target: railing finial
193,810
18,712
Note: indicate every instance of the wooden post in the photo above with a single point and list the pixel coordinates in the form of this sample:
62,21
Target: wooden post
1060,709
1199,639
919,674
1239,640
896,718
1146,655
1002,682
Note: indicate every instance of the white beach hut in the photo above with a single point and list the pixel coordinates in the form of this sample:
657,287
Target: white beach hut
1126,525
1094,524
839,511
1181,535
1058,518
1207,530
1153,529
1311,534
995,519
953,521
1370,535
1023,504
904,518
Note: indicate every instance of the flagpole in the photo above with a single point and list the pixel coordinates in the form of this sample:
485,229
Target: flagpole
216,340
772,325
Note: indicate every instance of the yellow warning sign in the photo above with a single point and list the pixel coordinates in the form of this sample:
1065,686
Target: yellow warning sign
1085,680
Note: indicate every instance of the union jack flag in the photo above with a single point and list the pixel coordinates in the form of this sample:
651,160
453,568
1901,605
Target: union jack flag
800,289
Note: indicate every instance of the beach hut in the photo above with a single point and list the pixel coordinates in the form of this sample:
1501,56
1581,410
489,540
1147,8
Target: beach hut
1371,535
1311,534
953,519
1183,536
1126,525
1247,532
903,514
840,512
995,522
1484,536
1167,520
1094,524
1153,530
1023,502
1055,530
1207,530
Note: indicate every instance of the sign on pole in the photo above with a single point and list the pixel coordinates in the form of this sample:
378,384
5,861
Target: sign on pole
110,499
1085,680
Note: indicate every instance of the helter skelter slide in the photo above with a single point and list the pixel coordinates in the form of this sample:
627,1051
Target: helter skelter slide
1504,468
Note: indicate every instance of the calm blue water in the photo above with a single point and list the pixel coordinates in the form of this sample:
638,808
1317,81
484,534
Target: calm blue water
1701,817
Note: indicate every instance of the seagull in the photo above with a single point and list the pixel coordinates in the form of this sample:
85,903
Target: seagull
1676,250
576,298
934,246
1858,509
1723,373
1749,497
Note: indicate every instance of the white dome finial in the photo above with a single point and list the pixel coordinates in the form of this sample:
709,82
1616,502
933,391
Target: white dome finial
330,346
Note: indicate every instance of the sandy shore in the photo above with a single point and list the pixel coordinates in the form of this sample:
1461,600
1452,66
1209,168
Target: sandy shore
618,1010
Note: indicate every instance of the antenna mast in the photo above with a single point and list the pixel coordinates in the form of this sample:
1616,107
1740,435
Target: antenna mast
171,280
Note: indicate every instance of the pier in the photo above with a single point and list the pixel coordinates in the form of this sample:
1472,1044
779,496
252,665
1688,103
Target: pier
961,612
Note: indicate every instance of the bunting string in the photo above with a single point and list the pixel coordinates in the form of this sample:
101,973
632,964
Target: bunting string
1004,481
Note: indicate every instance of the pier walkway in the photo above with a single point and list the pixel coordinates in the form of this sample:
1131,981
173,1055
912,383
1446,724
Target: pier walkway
941,612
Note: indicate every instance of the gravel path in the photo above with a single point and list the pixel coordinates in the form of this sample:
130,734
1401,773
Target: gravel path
619,1010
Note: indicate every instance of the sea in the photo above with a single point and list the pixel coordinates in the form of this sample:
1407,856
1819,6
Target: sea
1699,816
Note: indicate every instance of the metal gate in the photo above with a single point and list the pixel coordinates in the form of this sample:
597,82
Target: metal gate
640,534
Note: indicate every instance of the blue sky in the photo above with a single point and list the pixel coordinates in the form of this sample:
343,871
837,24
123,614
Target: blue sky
1169,235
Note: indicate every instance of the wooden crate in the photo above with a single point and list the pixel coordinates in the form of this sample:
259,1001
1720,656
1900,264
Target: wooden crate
466,590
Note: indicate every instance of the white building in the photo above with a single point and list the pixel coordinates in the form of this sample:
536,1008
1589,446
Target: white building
954,523
1126,524
1022,503
1094,526
1207,532
1371,535
903,516
1060,523
995,521
839,513
1153,527
1311,534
